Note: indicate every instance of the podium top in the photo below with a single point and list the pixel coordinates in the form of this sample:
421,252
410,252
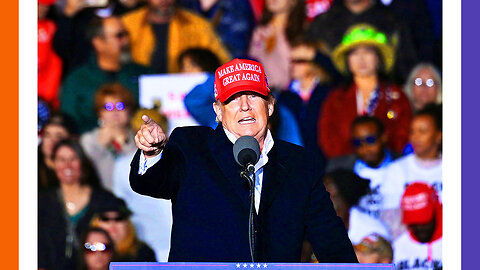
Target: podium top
248,266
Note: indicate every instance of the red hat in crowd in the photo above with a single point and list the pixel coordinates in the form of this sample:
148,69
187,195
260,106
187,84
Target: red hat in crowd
240,75
47,2
419,203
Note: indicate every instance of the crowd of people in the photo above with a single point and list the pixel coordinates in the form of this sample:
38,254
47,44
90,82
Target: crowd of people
356,82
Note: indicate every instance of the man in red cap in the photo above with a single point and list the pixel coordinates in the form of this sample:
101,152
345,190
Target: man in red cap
196,169
421,246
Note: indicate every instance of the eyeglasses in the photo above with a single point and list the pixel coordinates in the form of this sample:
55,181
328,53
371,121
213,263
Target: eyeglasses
116,219
109,106
300,61
420,82
119,35
369,140
96,247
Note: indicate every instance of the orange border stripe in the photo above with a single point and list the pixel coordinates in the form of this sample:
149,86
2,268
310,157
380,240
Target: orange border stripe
9,136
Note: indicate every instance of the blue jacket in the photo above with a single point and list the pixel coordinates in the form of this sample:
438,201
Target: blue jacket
210,202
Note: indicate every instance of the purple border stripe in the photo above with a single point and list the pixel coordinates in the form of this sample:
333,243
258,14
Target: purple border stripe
470,132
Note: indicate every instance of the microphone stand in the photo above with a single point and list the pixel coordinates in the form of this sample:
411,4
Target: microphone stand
245,173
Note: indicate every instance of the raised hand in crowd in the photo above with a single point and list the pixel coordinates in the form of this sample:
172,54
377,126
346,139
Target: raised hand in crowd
150,138
73,7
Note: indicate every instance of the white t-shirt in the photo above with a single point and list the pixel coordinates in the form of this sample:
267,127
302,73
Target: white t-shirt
410,254
362,225
372,202
407,170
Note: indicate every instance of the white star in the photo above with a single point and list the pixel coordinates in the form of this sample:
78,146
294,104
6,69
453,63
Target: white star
264,265
244,265
238,265
258,265
251,265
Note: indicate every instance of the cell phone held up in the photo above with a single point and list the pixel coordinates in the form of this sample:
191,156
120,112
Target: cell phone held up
95,3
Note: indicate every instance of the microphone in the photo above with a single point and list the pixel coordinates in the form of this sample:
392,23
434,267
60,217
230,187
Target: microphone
246,152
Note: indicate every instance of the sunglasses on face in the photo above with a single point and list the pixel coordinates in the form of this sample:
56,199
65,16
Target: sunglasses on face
300,61
109,106
119,35
420,82
369,140
108,219
96,247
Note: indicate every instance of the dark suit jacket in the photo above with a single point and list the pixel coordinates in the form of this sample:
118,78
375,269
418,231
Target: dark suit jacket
210,202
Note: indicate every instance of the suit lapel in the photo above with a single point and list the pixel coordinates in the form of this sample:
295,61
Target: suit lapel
274,176
222,151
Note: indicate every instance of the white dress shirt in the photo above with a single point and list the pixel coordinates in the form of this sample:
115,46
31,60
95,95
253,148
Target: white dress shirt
145,164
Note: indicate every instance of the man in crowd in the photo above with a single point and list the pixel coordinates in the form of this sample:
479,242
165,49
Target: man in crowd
196,169
111,63
370,158
420,247
160,31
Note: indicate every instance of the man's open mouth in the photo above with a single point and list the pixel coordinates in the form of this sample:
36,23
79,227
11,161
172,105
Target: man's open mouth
247,120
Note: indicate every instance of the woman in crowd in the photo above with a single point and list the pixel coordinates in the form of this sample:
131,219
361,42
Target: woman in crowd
423,86
115,219
57,128
64,212
97,250
423,165
113,105
346,188
282,22
363,56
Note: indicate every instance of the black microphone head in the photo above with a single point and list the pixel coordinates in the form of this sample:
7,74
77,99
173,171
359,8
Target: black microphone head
246,150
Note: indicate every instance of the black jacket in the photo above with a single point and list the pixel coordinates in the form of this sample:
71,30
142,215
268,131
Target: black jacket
210,202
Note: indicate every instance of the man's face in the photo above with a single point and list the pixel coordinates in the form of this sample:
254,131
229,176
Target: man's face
161,5
245,113
369,146
114,42
423,232
424,88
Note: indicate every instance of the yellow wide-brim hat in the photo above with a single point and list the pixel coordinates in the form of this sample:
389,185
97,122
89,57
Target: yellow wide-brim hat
363,34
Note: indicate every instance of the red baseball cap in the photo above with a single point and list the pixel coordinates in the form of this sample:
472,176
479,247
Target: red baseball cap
47,2
418,203
240,75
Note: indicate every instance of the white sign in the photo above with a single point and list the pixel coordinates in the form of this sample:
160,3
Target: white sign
170,89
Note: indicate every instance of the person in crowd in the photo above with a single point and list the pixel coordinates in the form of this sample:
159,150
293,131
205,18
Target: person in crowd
369,161
330,27
364,55
110,64
64,212
57,128
97,251
423,86
374,249
152,218
346,188
307,91
424,164
114,105
196,169
115,219
233,21
49,63
161,30
282,22
420,22
73,17
420,247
